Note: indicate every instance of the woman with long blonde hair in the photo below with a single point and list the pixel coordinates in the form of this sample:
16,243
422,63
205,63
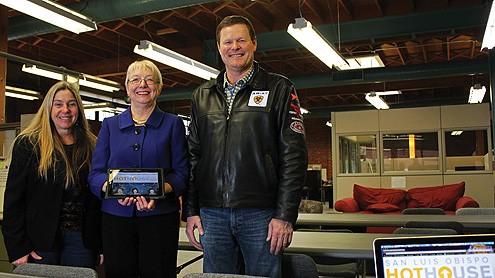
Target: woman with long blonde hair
47,203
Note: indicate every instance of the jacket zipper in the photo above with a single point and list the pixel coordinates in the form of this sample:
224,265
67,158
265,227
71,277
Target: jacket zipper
226,136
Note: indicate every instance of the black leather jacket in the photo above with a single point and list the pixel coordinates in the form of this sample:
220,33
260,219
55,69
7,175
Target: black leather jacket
257,157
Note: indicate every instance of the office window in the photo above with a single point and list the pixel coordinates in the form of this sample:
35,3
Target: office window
411,152
358,154
466,150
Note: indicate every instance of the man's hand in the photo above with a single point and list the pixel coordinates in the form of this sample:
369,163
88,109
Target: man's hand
279,235
194,222
25,259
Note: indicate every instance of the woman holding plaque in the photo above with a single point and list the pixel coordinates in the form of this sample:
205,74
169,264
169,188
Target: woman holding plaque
140,235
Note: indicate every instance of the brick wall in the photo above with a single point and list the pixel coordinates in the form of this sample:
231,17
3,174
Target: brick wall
318,137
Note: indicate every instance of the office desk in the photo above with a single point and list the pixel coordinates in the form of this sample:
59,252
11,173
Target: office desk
329,244
390,220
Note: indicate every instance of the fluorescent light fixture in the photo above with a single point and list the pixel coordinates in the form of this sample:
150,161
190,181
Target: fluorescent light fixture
388,93
100,106
98,83
329,124
376,101
456,132
103,106
84,79
33,69
21,93
53,13
304,33
476,93
304,110
173,59
364,62
103,98
489,36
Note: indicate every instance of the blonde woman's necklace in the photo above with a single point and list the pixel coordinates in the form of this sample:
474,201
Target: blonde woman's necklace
139,122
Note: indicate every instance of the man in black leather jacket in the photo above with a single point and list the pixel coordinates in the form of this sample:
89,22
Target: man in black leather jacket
248,160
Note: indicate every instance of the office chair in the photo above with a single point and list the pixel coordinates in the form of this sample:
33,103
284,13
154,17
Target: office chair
453,225
293,266
55,271
310,206
298,266
335,267
217,275
425,231
475,211
423,211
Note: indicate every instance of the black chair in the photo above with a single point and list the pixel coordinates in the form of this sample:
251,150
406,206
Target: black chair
425,231
55,271
454,225
438,211
298,266
217,275
293,266
475,211
335,267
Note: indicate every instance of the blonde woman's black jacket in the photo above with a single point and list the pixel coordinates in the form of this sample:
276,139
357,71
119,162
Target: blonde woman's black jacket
32,205
256,157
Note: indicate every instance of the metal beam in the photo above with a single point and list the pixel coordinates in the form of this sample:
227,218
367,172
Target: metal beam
366,76
451,20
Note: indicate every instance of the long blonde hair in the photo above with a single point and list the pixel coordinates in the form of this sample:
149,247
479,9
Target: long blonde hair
41,132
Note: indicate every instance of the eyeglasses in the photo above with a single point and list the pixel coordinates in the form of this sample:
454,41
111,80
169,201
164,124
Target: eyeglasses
137,80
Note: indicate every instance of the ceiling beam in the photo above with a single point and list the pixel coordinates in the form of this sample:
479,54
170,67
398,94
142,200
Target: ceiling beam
366,76
451,20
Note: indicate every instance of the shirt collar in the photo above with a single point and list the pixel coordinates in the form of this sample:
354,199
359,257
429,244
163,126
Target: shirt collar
243,81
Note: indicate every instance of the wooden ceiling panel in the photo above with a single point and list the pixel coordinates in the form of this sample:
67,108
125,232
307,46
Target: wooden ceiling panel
108,51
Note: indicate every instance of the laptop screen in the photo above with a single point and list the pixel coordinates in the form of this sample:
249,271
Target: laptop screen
435,256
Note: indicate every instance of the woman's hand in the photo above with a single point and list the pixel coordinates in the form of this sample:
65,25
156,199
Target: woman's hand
143,204
128,201
25,259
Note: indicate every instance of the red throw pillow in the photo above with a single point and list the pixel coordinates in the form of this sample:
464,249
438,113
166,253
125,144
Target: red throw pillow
384,207
442,196
366,196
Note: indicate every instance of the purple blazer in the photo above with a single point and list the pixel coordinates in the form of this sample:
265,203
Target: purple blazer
160,143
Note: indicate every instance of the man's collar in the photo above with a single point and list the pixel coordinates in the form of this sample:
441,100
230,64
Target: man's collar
245,79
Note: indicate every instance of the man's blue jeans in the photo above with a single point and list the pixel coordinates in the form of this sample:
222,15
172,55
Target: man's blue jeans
72,252
229,231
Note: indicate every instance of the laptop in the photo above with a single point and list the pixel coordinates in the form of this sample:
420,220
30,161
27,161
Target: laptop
435,256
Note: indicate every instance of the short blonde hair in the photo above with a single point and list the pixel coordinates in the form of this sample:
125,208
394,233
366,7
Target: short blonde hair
144,64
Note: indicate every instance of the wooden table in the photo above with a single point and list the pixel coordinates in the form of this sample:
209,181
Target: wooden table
329,244
390,220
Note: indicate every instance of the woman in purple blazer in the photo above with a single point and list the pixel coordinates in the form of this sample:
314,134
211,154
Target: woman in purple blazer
140,236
